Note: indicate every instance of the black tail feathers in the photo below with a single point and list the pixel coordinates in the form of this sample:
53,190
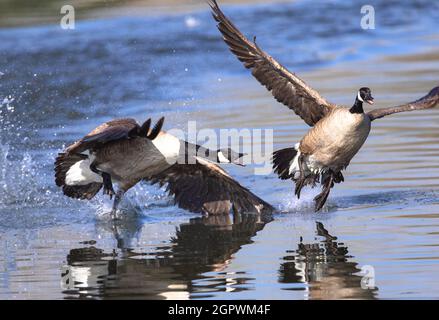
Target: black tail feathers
156,130
281,162
145,131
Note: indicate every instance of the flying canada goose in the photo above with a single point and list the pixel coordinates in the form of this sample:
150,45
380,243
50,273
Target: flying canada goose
337,133
126,153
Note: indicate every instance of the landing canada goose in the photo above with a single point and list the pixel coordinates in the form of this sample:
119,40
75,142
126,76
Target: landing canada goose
126,153
337,133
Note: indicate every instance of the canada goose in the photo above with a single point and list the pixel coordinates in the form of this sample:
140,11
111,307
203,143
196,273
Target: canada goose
126,153
337,133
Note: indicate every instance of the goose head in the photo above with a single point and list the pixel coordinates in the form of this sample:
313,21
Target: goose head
365,95
230,156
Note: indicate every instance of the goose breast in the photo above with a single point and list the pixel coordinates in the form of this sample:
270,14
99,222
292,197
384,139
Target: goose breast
335,140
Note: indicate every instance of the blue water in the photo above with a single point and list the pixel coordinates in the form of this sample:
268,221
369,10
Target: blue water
60,84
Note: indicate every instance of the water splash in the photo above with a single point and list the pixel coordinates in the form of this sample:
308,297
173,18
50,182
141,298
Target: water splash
290,203
7,101
19,175
18,178
191,22
28,195
27,198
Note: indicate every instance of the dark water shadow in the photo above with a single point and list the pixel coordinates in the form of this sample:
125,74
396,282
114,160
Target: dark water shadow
201,245
327,269
191,264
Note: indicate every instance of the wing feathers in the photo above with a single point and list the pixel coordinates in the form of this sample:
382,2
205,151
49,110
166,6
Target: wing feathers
285,86
205,188
428,101
113,131
107,132
63,163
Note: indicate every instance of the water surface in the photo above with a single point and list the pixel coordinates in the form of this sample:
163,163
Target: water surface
57,85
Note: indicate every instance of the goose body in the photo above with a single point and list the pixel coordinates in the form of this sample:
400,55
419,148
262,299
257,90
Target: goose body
337,133
125,153
130,161
334,140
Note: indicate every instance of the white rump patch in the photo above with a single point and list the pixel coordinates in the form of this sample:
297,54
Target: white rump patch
168,146
80,174
294,166
309,164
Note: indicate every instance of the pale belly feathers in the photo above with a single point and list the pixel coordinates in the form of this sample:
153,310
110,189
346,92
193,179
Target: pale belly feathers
333,142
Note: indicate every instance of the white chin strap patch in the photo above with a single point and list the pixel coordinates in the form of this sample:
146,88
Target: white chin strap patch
359,97
221,158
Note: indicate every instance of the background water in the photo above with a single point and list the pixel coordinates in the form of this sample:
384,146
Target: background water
57,85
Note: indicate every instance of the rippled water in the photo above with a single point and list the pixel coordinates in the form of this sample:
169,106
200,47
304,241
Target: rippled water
56,85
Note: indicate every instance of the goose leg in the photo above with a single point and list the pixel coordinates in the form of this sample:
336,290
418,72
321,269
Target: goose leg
108,185
118,197
301,180
321,198
106,177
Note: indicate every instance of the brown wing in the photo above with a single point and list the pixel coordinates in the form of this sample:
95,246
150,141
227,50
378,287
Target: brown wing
206,188
107,132
426,102
63,163
285,86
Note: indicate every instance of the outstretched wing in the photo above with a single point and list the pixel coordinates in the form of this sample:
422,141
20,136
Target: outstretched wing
115,130
206,188
107,132
426,102
285,86
63,163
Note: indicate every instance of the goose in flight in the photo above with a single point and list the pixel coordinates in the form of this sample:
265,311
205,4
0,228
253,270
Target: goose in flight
337,133
124,152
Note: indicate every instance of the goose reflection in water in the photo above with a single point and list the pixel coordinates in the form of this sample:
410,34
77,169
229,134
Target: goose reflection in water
192,264
172,271
327,269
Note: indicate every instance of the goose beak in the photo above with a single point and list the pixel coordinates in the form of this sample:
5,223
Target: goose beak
370,101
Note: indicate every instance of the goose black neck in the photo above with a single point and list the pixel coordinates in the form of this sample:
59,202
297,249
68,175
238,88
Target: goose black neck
194,150
357,107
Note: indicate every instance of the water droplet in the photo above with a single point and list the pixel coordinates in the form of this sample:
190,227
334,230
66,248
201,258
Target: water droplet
191,22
